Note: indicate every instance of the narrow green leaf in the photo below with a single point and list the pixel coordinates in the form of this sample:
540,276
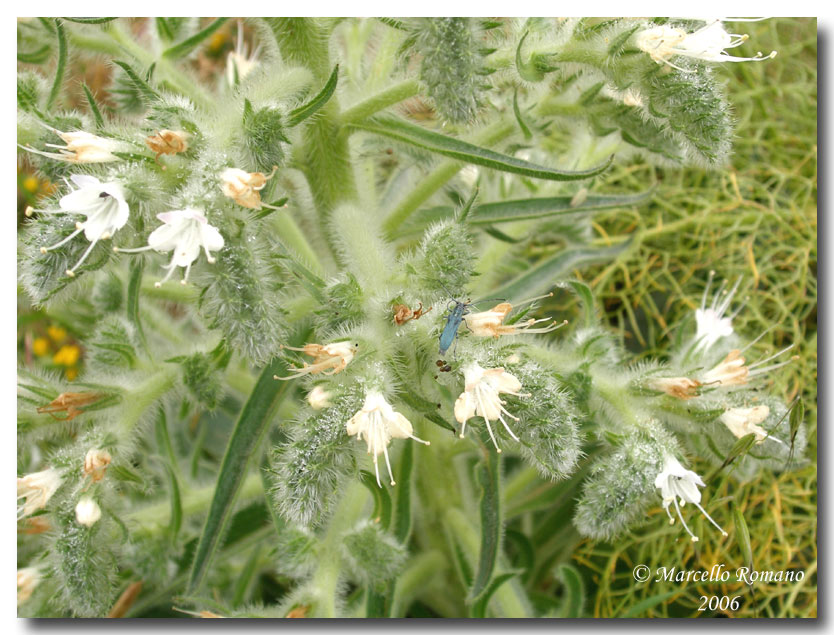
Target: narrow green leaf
517,112
38,56
394,24
148,94
134,287
574,600
525,550
499,235
93,106
417,136
245,577
588,96
176,505
122,473
530,208
547,273
467,207
617,44
376,604
742,535
526,70
584,292
302,112
402,496
640,608
90,20
164,29
186,46
488,478
382,500
246,437
61,66
480,607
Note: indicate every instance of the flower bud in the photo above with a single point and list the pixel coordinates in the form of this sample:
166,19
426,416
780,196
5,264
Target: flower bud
444,261
87,512
168,142
263,136
373,556
319,398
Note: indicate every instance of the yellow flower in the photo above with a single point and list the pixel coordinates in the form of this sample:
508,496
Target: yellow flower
57,333
40,346
67,355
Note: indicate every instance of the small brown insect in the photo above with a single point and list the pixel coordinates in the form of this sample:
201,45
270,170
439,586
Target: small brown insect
443,366
403,314
71,403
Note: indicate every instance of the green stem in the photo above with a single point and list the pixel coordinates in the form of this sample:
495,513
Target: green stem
423,569
440,175
325,580
155,518
146,394
291,236
381,101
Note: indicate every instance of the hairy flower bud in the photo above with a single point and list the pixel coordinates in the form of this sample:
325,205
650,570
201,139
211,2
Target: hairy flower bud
444,260
373,556
263,136
87,512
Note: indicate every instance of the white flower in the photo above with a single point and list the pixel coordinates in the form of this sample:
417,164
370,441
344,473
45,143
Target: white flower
319,398
239,63
481,397
709,43
676,482
87,512
81,147
27,579
184,232
326,357
104,206
744,421
36,488
245,187
95,463
732,371
379,423
679,387
711,323
491,323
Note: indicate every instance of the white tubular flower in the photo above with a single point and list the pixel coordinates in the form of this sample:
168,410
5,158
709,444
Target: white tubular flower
378,422
184,232
239,63
81,147
87,512
327,358
679,387
27,579
709,43
36,488
676,482
744,421
104,206
711,323
95,464
245,187
732,370
319,398
491,323
481,397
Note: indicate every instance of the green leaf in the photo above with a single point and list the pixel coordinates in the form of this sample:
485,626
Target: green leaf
93,106
382,501
147,93
574,587
525,549
499,235
417,136
246,438
134,286
584,292
530,208
61,66
742,535
480,607
164,30
90,20
524,129
547,273
467,207
302,112
402,496
186,46
488,478
176,505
